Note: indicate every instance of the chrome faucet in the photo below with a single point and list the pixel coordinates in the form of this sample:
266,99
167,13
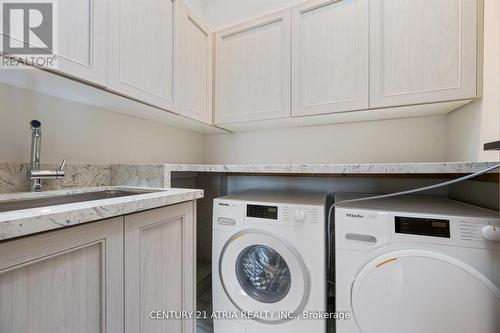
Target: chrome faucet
36,175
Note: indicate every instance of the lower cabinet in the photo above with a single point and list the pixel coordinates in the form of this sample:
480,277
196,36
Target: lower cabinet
102,277
159,268
66,281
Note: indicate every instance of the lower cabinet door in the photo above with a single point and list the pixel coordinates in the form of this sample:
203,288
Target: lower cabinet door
159,269
65,281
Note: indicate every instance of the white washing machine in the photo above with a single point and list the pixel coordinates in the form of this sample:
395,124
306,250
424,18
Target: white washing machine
269,262
417,265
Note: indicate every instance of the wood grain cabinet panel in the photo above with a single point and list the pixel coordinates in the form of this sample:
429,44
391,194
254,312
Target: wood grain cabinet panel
64,281
253,70
80,30
144,50
330,56
83,39
159,268
422,51
196,68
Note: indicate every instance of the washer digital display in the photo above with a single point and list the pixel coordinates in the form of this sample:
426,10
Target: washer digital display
263,212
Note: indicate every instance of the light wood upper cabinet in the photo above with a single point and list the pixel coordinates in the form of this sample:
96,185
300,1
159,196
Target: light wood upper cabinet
81,33
330,56
253,70
144,50
83,37
321,58
64,281
159,268
422,51
195,67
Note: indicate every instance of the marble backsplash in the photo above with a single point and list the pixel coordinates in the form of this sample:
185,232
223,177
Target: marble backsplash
14,176
141,175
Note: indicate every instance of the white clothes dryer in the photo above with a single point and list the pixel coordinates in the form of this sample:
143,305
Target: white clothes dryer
416,265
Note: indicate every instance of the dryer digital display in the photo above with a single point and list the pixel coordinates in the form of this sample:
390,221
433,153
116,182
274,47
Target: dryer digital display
422,226
262,212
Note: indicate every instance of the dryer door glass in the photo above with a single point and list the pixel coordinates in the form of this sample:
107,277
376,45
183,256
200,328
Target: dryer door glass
263,274
424,291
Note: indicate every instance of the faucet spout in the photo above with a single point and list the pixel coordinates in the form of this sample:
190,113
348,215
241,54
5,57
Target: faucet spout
35,174
36,146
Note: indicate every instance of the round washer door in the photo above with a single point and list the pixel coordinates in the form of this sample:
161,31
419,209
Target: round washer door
418,291
261,272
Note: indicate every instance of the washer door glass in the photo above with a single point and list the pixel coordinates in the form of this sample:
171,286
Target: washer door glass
260,271
263,274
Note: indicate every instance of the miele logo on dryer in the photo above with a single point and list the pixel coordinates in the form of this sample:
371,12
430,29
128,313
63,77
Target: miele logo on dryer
356,216
223,204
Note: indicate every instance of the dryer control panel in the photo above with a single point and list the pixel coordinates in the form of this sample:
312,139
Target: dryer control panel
422,226
357,229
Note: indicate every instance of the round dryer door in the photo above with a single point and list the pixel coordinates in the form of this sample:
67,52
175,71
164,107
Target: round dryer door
263,273
418,291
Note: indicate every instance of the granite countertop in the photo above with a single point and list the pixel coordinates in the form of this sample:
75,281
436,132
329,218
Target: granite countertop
33,220
344,169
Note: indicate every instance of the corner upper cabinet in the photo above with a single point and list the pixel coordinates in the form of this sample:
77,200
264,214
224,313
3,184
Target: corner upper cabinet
144,50
253,70
195,67
330,56
422,51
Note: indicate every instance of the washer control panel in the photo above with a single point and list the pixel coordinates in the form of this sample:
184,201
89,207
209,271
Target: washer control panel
269,208
300,214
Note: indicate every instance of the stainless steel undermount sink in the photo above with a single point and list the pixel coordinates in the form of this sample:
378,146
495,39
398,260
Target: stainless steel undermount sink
51,200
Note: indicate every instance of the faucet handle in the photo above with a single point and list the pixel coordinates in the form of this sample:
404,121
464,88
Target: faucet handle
63,164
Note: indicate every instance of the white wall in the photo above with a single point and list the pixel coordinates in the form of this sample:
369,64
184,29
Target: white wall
220,14
197,6
84,134
400,140
458,136
479,122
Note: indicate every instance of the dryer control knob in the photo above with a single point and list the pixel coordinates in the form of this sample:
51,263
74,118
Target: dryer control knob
299,215
491,232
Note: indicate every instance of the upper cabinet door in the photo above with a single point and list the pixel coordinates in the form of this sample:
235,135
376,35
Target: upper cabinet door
81,35
253,70
143,61
83,38
196,67
422,51
330,56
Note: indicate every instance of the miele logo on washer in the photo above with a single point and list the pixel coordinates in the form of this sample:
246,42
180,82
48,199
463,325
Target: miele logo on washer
356,216
223,204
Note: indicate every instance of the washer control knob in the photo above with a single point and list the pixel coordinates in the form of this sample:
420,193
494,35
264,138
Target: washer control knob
299,215
491,232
